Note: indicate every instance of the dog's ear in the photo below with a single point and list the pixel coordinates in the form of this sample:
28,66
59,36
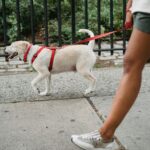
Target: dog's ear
21,46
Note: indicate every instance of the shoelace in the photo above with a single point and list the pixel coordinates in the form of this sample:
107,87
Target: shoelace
94,138
91,133
91,137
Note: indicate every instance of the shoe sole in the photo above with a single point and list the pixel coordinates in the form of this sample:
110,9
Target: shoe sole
78,145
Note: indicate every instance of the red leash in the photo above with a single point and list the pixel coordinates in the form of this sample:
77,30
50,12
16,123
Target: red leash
96,37
128,25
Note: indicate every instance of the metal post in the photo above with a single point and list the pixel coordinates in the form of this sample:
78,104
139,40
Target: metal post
18,19
32,21
4,22
86,13
46,22
59,21
111,26
73,21
124,31
99,24
4,26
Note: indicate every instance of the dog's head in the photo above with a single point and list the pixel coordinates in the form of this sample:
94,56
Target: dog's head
17,48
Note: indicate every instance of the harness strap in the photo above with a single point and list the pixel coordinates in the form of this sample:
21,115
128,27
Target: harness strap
26,53
52,58
37,53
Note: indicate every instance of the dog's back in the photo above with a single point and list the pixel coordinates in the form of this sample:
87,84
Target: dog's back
66,59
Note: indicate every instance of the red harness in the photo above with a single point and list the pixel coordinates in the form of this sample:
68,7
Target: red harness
38,52
26,53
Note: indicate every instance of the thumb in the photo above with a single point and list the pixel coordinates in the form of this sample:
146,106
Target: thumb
128,25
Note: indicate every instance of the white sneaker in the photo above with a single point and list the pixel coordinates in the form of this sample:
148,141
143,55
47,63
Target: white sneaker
92,141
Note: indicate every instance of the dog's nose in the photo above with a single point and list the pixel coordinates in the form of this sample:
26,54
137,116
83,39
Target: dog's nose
6,55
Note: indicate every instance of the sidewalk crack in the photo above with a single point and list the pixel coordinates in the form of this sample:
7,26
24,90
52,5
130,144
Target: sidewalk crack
102,118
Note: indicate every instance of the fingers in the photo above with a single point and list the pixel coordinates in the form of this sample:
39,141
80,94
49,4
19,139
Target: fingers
129,20
128,25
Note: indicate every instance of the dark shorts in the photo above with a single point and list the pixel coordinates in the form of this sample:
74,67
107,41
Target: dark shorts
142,21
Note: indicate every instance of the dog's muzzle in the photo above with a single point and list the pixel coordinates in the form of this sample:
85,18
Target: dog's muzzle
11,56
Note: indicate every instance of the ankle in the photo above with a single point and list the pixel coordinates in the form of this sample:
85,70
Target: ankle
106,134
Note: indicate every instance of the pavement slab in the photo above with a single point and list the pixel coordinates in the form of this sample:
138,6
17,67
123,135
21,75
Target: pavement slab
45,125
134,130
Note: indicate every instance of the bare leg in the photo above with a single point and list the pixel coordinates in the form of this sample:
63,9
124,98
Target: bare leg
137,54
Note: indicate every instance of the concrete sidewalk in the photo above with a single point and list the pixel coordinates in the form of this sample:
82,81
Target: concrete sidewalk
31,122
44,125
134,130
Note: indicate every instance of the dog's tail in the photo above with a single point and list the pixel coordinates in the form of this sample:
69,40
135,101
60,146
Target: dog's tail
91,34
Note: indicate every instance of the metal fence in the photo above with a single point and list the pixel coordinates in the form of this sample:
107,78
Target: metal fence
86,13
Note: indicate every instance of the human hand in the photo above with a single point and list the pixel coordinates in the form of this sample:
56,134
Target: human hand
129,20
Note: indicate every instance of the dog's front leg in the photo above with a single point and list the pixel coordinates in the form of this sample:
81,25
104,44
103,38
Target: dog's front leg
35,81
39,78
47,86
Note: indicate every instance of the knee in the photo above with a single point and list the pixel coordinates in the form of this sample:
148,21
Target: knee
127,64
132,64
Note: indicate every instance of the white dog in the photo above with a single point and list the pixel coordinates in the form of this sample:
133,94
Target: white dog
80,58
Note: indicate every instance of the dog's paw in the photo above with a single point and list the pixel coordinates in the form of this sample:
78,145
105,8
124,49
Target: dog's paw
45,93
36,90
88,91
